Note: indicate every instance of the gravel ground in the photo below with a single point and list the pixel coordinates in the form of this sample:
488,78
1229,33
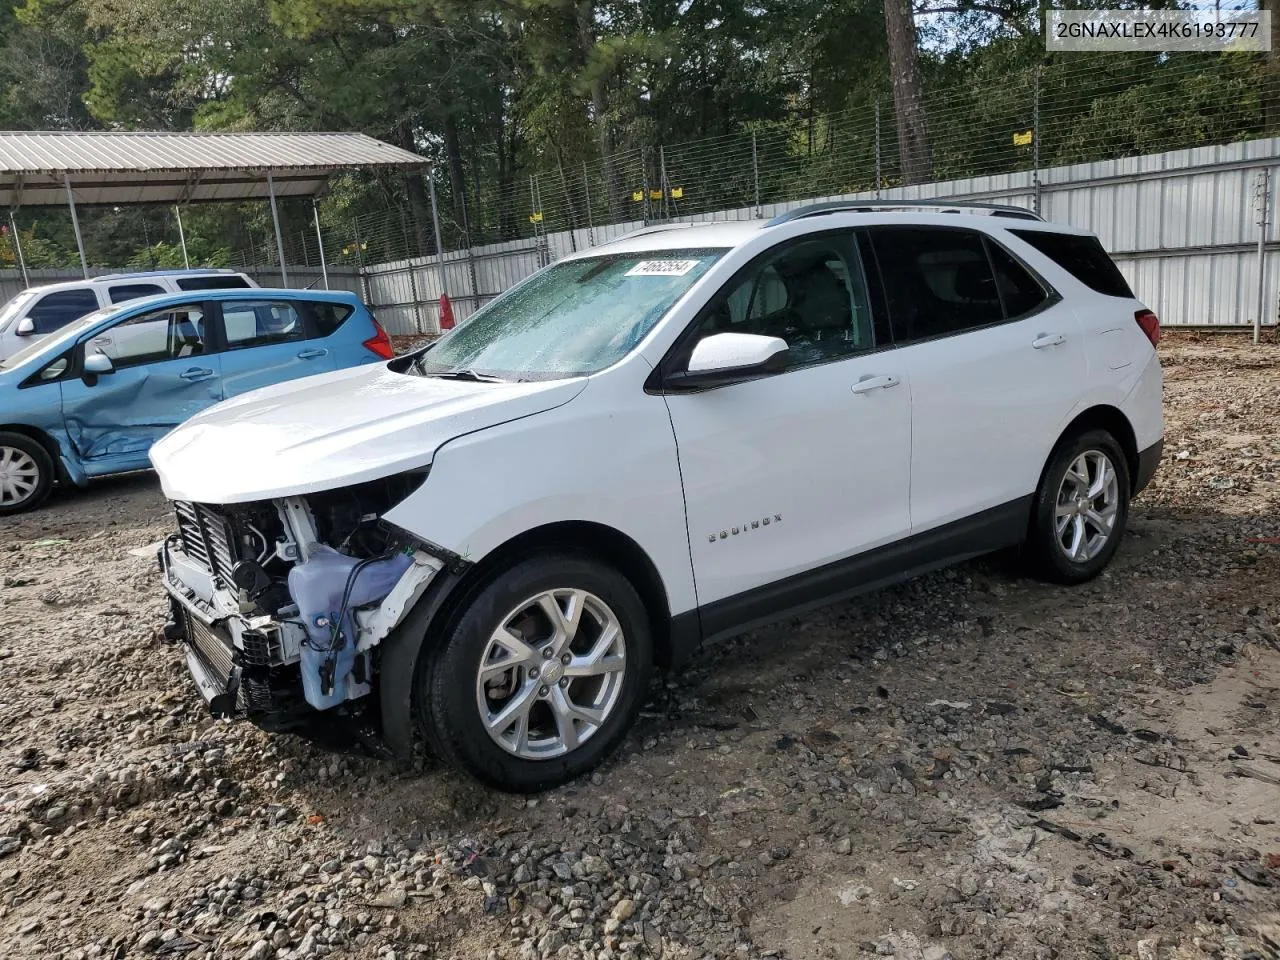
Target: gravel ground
972,764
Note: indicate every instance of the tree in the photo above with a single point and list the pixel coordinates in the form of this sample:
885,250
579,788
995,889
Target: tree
1271,72
908,97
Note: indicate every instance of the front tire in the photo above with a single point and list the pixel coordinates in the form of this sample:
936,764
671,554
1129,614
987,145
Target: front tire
540,677
1081,508
26,473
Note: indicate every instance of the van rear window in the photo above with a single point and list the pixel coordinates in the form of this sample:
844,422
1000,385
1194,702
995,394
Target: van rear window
212,283
1082,257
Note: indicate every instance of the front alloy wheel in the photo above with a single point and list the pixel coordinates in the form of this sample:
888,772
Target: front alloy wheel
552,674
540,676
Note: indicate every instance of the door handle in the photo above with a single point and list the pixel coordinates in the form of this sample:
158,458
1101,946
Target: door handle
311,354
196,373
100,340
1048,340
869,382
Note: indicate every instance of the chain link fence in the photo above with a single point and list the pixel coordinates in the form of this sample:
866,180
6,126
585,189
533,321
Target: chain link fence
1077,109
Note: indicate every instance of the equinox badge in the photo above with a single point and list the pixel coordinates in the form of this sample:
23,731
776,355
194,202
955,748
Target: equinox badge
752,525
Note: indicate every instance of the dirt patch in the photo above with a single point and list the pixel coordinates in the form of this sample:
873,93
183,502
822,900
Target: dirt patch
972,764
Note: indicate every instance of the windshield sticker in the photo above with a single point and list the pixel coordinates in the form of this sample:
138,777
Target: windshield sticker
661,268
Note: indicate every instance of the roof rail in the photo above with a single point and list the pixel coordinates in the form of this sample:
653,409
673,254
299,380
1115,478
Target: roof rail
652,228
937,206
177,272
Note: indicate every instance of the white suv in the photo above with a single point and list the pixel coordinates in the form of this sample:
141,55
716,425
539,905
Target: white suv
39,311
674,437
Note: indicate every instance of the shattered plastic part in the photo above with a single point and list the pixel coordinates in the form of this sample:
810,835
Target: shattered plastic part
318,587
376,624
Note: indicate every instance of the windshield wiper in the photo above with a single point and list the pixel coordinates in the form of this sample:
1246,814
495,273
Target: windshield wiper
464,375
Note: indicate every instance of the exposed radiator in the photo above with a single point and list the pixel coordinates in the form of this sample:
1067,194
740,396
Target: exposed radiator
207,537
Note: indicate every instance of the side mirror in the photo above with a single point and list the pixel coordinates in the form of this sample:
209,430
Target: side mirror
724,358
26,327
98,364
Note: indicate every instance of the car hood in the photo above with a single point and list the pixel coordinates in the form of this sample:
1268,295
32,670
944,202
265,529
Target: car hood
334,430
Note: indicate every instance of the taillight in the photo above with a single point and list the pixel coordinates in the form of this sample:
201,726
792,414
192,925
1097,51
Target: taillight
1150,325
380,343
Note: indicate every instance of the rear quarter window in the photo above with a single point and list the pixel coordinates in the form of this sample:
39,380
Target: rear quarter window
328,317
1082,257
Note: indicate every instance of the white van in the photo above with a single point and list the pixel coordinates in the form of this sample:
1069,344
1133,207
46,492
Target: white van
39,311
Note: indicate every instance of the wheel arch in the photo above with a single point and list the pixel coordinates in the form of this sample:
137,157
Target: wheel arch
599,541
47,442
447,597
1113,421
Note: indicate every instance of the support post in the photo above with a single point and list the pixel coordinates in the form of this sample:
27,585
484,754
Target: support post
663,185
17,249
324,267
1035,140
586,187
644,187
182,237
364,279
275,219
755,173
75,225
1264,198
435,222
878,180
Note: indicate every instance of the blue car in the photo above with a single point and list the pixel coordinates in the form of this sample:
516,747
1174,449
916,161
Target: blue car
91,399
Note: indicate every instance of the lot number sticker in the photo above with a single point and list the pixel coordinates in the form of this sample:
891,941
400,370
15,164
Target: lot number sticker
661,268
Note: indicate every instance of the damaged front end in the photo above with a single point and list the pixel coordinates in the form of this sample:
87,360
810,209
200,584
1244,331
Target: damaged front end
281,604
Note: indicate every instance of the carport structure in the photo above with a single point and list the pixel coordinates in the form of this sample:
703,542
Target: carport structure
116,168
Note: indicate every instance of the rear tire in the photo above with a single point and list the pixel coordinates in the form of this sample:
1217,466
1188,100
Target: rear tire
523,698
26,473
1081,508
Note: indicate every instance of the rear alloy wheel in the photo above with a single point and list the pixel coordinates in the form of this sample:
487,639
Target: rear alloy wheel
26,473
542,675
1081,508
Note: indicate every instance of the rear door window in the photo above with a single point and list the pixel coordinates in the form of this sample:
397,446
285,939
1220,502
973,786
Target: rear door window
54,311
132,291
257,323
1082,257
224,282
937,282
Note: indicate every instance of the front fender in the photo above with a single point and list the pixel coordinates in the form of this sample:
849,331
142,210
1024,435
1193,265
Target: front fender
401,659
608,458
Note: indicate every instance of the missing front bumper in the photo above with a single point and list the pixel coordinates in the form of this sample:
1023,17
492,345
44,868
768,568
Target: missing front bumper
227,678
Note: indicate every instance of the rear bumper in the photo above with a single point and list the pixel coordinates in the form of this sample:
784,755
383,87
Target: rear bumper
1148,463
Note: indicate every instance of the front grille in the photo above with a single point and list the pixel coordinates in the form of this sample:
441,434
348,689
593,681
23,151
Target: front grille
207,537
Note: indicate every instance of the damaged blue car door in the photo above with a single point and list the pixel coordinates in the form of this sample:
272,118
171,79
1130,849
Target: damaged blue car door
141,377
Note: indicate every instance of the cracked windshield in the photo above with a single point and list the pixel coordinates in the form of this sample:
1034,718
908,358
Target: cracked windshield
573,319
